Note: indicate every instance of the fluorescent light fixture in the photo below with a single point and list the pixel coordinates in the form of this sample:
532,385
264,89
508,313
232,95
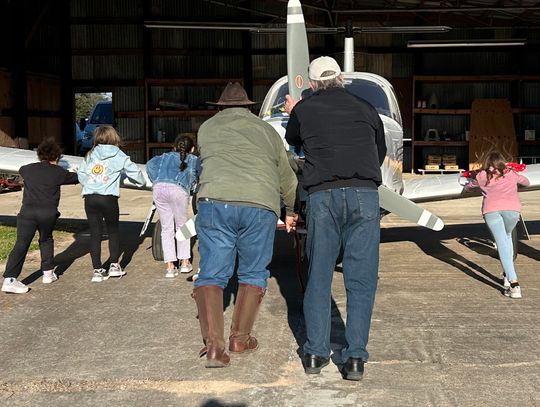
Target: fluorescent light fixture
403,29
198,25
214,26
466,43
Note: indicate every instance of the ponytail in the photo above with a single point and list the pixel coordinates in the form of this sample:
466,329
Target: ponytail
183,144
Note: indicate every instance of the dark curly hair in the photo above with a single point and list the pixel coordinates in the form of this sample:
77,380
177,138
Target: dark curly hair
49,150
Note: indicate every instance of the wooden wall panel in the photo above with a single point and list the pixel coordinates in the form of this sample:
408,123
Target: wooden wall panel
6,125
43,93
42,127
6,99
492,126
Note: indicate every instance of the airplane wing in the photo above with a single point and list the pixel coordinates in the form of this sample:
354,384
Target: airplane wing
443,187
11,159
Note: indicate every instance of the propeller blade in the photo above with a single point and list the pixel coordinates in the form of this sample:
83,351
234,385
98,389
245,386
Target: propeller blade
297,50
407,209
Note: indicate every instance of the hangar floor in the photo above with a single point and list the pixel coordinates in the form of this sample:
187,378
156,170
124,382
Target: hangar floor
442,332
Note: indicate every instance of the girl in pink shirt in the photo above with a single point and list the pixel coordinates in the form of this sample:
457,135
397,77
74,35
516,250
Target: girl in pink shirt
501,210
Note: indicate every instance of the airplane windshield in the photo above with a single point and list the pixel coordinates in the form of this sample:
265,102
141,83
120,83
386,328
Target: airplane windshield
371,92
364,89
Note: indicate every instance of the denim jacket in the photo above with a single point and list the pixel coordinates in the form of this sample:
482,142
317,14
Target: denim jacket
166,168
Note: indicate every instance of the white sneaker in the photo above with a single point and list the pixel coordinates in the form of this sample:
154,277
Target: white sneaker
196,275
49,276
100,275
11,285
186,269
116,271
513,292
506,282
171,273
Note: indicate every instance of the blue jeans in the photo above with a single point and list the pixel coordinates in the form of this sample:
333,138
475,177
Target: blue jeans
225,230
501,224
348,216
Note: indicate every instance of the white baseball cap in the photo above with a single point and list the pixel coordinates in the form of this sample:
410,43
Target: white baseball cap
323,64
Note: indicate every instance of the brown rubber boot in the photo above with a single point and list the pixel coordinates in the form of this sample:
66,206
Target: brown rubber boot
248,300
209,299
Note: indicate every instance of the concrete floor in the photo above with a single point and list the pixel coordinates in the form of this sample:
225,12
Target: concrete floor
442,332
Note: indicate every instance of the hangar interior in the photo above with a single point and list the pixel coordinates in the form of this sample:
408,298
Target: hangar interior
162,60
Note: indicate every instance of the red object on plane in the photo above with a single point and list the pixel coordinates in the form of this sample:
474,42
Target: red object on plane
516,167
513,166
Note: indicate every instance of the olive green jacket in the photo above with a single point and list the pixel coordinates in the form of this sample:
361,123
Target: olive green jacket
244,162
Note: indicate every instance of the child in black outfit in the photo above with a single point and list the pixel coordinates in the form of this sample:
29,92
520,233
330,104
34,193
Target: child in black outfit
39,211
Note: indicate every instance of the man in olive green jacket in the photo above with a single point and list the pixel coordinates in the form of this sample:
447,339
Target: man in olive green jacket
245,176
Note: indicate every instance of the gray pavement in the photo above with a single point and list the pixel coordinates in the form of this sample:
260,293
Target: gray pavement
442,332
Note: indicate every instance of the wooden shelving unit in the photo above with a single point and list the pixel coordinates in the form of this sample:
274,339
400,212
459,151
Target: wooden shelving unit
452,114
152,110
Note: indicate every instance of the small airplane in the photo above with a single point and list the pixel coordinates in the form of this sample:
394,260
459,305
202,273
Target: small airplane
396,195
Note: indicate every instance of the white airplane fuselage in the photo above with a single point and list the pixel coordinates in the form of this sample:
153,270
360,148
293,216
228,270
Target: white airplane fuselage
373,88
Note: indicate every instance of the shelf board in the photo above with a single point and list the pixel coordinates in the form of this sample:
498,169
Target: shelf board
441,143
475,78
528,109
529,142
159,145
442,111
191,81
129,115
133,145
468,111
182,113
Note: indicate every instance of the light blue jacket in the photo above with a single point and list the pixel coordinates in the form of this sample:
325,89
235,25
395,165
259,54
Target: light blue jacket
104,167
166,168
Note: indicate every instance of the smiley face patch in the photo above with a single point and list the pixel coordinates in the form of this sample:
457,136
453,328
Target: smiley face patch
97,169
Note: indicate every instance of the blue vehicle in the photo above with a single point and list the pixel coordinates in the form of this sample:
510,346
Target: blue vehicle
101,115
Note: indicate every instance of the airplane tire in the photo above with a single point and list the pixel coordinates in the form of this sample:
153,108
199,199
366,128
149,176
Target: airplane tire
157,248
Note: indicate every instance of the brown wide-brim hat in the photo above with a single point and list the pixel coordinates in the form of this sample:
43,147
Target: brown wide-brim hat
233,95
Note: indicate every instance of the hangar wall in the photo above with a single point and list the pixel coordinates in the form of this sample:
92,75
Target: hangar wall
105,46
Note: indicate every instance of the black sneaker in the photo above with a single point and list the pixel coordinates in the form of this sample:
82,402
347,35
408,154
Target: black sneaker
100,275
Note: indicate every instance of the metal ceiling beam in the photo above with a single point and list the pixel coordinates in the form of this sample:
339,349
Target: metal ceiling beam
236,7
435,10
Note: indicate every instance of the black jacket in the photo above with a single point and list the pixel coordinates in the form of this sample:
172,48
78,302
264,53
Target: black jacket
42,182
343,140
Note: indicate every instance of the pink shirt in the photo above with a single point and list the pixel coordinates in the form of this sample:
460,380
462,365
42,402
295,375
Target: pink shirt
501,194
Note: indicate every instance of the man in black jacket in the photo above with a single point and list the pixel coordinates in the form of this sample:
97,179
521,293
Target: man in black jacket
344,145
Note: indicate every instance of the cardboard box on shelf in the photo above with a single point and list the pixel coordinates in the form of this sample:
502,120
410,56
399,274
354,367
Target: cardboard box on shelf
449,159
530,135
431,167
433,159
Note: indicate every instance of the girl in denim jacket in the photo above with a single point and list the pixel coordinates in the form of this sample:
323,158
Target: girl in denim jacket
174,176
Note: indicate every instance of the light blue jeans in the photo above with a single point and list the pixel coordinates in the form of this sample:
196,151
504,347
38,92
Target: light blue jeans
348,216
501,224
